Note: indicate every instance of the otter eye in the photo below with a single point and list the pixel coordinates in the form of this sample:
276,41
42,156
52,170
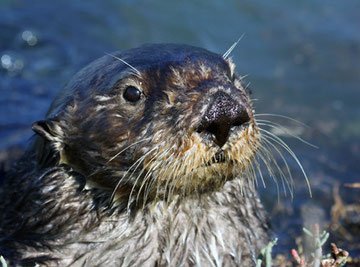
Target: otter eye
132,94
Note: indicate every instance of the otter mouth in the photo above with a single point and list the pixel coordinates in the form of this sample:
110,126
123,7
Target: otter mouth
218,158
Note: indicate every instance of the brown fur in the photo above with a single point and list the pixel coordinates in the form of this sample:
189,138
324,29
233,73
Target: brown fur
115,183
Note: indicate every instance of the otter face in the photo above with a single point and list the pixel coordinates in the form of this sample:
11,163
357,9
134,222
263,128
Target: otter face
154,120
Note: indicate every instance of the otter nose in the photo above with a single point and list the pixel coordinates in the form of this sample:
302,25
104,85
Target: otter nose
222,114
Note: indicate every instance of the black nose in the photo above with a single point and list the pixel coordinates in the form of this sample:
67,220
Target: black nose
223,113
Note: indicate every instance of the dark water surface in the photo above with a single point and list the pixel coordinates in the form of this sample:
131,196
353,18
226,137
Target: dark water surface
302,58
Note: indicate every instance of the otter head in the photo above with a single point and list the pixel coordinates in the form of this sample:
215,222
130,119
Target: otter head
157,120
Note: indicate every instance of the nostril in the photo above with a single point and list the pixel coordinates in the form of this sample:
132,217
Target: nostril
212,128
238,123
217,130
200,129
241,119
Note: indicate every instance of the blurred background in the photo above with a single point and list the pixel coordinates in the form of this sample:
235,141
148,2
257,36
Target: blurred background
302,59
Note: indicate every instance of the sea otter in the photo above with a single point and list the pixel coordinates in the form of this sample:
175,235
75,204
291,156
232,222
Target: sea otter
145,158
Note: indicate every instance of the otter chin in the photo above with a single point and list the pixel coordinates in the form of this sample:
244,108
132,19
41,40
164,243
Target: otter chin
145,158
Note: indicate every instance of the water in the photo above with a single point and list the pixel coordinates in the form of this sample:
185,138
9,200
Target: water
302,59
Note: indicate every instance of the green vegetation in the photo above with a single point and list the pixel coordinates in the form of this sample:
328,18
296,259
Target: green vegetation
337,258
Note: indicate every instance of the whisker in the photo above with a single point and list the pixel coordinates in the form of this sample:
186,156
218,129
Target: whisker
265,156
243,76
138,177
162,171
259,171
284,129
189,178
147,189
148,176
138,73
179,176
281,173
280,116
127,171
247,86
158,182
117,154
149,186
269,169
186,180
251,174
287,148
280,154
172,185
228,52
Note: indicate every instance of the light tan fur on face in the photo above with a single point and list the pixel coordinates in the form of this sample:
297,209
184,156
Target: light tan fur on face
184,163
180,162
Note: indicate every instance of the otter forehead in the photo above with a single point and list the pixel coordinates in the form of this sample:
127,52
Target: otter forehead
162,55
157,63
100,76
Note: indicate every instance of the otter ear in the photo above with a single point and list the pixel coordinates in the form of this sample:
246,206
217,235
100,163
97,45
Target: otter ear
48,129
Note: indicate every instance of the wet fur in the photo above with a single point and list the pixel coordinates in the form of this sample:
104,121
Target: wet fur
113,183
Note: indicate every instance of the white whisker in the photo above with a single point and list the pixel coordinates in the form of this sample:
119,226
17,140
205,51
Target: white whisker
280,116
287,148
284,129
117,154
138,73
127,171
228,52
281,173
138,177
